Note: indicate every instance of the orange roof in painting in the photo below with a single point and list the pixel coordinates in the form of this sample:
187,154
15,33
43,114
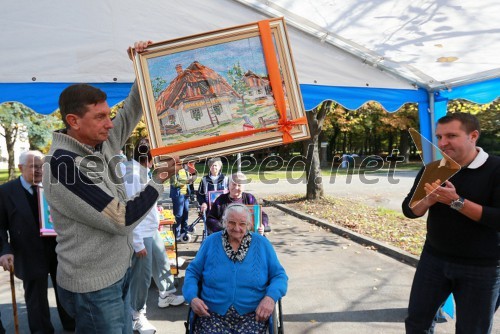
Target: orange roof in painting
194,83
253,79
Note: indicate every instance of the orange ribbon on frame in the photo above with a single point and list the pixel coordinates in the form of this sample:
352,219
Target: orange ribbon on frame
205,141
284,125
287,125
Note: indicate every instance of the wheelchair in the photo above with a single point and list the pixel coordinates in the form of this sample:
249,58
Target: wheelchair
275,321
191,228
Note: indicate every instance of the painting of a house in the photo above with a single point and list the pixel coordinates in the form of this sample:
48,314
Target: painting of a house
258,86
218,92
198,98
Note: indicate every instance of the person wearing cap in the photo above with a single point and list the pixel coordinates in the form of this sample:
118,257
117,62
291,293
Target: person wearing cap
236,194
214,180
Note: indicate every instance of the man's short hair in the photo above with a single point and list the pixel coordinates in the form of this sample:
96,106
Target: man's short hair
469,122
75,99
23,157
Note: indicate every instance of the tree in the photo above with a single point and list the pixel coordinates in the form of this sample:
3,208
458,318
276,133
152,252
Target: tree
17,119
401,121
236,78
315,119
12,116
39,128
489,118
158,84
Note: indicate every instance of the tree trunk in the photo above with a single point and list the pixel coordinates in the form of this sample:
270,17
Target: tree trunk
350,147
377,147
243,104
390,144
333,140
404,145
344,143
315,119
10,140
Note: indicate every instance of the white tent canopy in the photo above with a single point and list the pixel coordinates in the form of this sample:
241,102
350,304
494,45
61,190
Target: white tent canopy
62,41
434,43
85,41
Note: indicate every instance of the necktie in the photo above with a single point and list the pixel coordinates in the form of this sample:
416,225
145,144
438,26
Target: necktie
34,203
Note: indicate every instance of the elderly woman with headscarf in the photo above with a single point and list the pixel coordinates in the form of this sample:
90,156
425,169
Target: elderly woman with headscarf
239,275
236,194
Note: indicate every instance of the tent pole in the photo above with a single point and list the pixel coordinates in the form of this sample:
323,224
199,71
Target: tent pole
433,125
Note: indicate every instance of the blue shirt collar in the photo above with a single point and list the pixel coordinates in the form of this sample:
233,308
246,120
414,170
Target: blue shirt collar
25,184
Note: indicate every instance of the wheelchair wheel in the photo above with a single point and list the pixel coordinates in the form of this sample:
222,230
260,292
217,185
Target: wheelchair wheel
186,238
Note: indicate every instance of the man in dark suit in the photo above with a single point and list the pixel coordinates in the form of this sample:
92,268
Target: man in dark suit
34,256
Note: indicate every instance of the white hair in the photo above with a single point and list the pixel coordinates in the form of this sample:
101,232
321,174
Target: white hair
23,157
238,178
237,208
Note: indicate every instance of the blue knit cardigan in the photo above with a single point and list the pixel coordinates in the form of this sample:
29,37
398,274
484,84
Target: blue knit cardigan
241,284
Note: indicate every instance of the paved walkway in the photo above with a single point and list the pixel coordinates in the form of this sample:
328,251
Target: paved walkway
380,190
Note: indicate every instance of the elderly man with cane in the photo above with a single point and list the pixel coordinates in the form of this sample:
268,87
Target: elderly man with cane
34,256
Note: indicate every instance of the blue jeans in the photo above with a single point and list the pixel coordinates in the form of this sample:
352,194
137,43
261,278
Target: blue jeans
155,264
2,330
474,288
105,311
180,205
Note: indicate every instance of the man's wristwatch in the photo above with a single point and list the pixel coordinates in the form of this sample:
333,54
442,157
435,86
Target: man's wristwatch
458,204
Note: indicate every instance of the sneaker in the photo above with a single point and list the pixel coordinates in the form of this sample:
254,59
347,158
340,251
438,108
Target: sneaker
170,299
164,294
143,326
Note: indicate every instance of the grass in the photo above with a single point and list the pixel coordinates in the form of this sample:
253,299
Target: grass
4,175
286,172
383,224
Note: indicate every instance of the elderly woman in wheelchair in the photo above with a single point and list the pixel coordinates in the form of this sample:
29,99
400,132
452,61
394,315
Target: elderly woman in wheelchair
235,279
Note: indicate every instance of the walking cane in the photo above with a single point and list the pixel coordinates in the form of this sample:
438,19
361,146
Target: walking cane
14,304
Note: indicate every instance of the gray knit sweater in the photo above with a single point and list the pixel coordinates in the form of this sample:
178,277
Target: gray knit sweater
88,203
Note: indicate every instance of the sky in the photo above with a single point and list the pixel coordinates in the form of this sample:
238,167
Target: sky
219,57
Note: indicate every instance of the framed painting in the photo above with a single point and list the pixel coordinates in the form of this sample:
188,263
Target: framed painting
256,211
221,92
212,196
46,223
